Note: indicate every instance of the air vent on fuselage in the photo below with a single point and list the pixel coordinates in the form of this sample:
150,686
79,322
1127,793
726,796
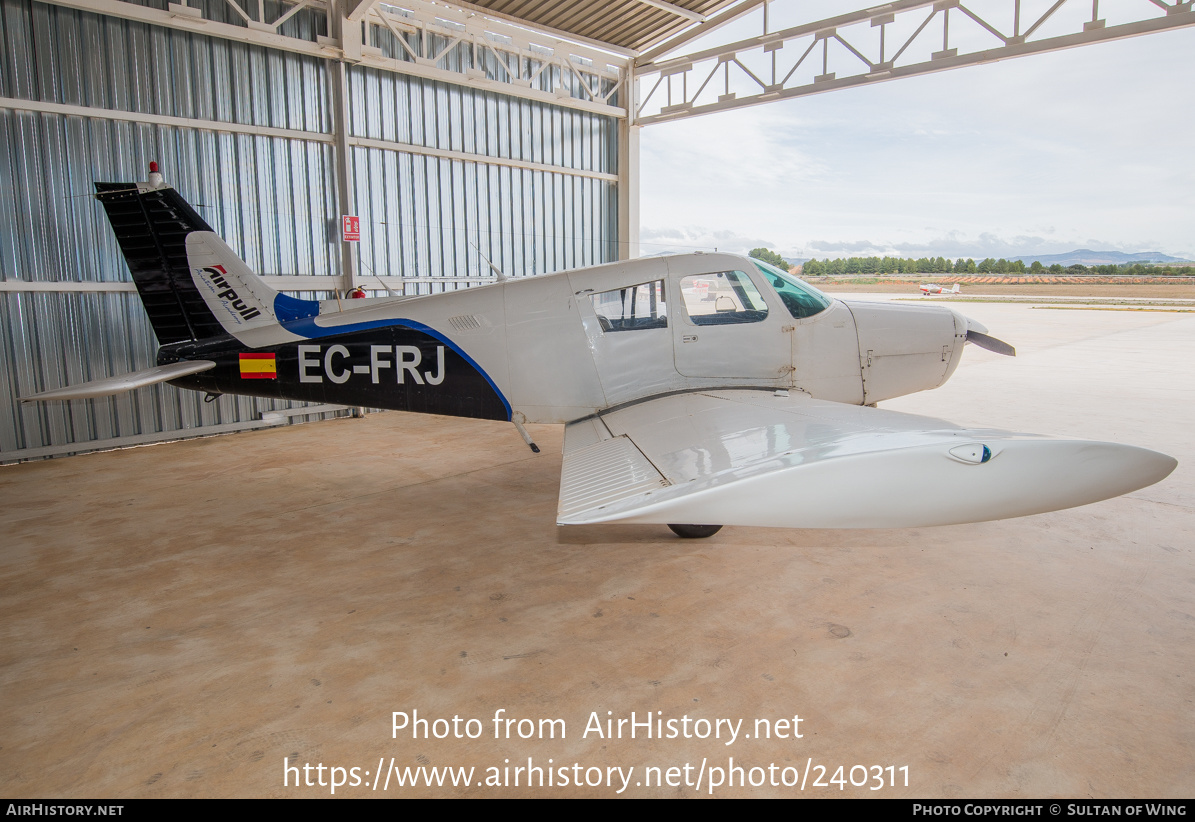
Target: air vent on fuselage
468,322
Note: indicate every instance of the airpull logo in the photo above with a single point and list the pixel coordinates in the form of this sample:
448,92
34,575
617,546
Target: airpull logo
216,274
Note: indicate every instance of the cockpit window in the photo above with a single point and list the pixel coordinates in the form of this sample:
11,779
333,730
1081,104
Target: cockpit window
721,298
633,308
801,299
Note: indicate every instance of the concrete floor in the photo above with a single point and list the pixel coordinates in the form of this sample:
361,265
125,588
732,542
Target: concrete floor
178,620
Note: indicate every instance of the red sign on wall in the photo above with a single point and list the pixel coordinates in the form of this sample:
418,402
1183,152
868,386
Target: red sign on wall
351,227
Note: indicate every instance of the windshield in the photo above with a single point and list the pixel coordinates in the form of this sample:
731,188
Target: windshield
801,299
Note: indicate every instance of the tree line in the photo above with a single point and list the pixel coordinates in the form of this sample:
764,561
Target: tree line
964,265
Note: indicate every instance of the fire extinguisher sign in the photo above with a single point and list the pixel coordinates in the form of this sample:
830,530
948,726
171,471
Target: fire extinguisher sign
351,227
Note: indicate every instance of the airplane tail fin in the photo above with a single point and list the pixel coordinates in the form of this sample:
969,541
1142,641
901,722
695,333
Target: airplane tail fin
152,226
956,289
192,284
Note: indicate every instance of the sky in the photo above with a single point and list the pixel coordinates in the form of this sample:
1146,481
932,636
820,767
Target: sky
1085,148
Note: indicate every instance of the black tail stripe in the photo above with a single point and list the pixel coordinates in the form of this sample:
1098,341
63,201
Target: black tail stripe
152,230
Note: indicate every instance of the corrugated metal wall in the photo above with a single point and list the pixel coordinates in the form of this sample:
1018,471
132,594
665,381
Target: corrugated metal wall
430,215
272,197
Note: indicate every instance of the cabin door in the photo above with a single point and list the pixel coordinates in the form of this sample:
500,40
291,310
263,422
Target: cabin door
725,329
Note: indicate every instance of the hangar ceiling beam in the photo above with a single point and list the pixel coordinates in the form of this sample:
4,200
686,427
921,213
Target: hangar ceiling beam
672,8
904,38
457,46
568,36
414,37
355,10
189,18
707,27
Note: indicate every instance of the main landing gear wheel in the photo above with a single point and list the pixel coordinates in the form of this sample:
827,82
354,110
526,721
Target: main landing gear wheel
695,531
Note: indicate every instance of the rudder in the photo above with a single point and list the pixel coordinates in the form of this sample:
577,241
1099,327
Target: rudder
151,226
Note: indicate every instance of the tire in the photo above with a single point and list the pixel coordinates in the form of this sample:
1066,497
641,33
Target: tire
695,531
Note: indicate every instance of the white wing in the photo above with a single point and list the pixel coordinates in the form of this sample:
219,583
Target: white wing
740,457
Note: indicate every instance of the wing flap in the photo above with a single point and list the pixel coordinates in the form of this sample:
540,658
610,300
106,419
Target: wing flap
755,458
600,470
123,382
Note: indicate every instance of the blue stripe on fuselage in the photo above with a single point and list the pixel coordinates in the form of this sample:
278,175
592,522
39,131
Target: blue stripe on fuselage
306,327
287,309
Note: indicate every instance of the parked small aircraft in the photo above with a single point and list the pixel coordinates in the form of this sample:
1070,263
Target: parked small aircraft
928,288
697,388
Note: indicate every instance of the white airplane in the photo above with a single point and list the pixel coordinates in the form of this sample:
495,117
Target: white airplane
698,388
927,289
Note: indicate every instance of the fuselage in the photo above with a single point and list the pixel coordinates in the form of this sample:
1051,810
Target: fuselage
558,347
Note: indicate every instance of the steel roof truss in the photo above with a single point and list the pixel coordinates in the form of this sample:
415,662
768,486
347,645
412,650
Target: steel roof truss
855,51
601,73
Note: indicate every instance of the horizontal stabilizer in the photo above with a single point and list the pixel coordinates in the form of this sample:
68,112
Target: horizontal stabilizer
125,382
756,458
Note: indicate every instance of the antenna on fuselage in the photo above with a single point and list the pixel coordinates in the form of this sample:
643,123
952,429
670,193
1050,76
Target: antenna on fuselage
389,290
497,271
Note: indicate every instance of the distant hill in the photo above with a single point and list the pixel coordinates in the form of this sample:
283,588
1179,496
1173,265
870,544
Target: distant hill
1085,256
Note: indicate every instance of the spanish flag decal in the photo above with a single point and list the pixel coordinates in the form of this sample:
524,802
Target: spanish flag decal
258,367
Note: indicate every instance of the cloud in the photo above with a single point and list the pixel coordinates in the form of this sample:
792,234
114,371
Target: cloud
696,238
1037,155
